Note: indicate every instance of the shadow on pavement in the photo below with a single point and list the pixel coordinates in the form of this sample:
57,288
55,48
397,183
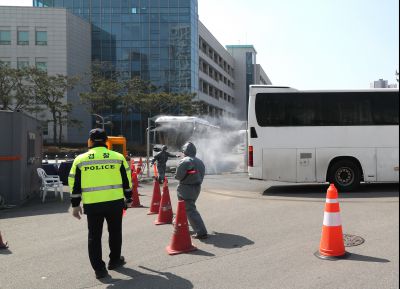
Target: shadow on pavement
362,258
227,241
5,251
35,207
139,280
199,252
319,191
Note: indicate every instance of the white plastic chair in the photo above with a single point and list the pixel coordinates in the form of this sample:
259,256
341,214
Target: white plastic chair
50,183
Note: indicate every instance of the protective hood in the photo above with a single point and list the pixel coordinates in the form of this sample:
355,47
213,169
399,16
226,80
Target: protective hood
189,149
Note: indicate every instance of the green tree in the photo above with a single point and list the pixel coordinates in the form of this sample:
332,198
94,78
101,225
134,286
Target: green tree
105,89
15,89
49,91
140,93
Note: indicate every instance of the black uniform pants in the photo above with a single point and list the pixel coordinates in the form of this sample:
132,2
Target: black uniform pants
95,226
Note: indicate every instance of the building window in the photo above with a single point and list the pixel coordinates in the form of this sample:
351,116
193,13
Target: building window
134,11
5,37
5,62
41,37
22,63
41,64
23,37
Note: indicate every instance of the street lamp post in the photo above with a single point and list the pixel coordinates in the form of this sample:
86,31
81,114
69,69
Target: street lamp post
148,146
102,120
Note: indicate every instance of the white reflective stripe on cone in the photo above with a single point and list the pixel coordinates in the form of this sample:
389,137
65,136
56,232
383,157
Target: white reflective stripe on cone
332,219
332,201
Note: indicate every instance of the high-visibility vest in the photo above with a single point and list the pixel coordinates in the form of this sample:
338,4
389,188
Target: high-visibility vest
101,179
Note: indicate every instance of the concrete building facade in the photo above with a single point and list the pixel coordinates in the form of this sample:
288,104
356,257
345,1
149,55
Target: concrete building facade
247,72
216,75
160,41
53,40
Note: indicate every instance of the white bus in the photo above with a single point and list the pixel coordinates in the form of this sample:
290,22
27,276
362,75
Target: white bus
344,137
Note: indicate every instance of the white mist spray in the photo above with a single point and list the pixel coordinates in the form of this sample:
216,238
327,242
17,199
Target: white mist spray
221,146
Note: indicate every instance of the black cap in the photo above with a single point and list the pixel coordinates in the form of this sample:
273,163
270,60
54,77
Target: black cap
98,135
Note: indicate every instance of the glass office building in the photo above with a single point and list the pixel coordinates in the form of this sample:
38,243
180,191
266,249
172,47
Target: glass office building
156,40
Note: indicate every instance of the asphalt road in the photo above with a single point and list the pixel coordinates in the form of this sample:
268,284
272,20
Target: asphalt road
262,236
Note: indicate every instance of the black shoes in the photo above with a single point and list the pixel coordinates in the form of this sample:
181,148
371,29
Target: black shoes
116,264
101,273
200,237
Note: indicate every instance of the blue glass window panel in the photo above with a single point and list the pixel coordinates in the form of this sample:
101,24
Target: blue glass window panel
130,31
116,30
173,3
115,18
184,11
95,3
164,53
184,3
105,17
5,37
115,4
41,37
184,18
23,37
155,3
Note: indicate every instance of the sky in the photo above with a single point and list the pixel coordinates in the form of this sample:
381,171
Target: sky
309,44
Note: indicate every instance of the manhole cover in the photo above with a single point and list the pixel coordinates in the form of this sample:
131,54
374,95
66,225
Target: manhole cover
352,241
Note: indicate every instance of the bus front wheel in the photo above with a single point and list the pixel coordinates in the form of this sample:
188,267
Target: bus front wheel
346,175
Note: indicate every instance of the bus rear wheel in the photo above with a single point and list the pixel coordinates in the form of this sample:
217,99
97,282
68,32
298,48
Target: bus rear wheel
346,175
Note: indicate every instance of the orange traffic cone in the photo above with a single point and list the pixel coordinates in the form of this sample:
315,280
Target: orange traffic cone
155,200
181,241
139,167
3,245
332,244
155,171
165,213
135,198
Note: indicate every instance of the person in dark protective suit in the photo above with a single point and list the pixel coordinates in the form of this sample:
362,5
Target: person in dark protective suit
190,173
161,158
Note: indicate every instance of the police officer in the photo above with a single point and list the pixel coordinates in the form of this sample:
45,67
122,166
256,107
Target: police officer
190,173
161,158
101,179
